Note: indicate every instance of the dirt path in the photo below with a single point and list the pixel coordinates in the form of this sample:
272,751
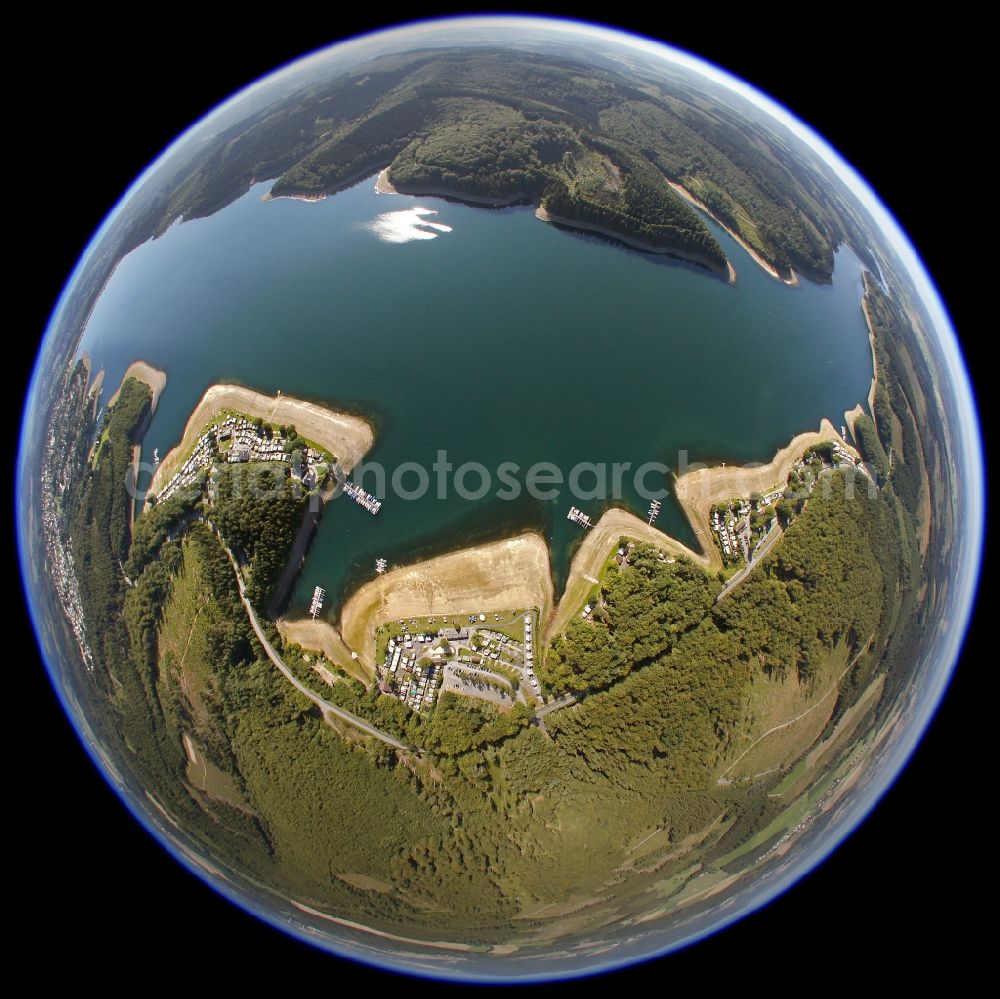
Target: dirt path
325,706
801,715
187,644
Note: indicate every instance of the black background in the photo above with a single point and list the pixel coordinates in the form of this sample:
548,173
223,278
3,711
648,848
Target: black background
90,114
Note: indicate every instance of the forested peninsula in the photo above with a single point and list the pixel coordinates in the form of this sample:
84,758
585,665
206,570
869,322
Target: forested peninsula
494,125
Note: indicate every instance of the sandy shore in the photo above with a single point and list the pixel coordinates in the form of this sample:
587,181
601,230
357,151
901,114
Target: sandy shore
866,277
757,258
850,415
501,575
637,244
699,489
153,377
347,437
294,197
599,542
383,186
321,636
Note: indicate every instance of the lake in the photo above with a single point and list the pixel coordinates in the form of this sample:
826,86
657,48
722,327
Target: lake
486,334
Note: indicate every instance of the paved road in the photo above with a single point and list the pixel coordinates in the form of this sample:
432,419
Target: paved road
563,702
764,546
272,654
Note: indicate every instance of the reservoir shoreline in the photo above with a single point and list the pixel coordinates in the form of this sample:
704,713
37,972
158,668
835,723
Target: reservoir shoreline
751,252
728,272
289,303
514,572
384,186
346,436
866,277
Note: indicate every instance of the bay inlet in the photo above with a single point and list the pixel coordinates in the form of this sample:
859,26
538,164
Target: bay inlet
488,335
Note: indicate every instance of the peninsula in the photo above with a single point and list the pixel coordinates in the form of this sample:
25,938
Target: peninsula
607,225
490,577
143,372
347,437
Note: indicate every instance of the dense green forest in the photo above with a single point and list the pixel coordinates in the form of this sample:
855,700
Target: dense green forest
98,522
487,149
506,125
593,146
681,703
905,445
487,821
257,509
502,816
641,615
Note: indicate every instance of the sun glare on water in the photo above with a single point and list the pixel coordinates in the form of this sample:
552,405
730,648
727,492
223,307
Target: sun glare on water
407,225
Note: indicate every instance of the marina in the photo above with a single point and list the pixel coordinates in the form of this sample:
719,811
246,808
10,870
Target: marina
579,517
367,500
319,595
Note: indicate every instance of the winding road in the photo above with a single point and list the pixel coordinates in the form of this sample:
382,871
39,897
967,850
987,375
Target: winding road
325,706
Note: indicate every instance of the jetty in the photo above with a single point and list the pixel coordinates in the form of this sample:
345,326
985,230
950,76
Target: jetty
579,517
367,500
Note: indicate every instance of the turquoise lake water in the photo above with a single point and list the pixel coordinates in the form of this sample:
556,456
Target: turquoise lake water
494,337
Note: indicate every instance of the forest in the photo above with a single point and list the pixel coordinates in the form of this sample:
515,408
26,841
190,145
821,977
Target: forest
482,823
489,820
498,124
683,663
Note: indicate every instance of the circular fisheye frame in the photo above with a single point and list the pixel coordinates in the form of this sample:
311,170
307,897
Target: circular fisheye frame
488,494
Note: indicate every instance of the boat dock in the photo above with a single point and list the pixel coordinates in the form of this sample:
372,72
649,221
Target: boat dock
654,510
319,595
579,517
369,502
381,565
